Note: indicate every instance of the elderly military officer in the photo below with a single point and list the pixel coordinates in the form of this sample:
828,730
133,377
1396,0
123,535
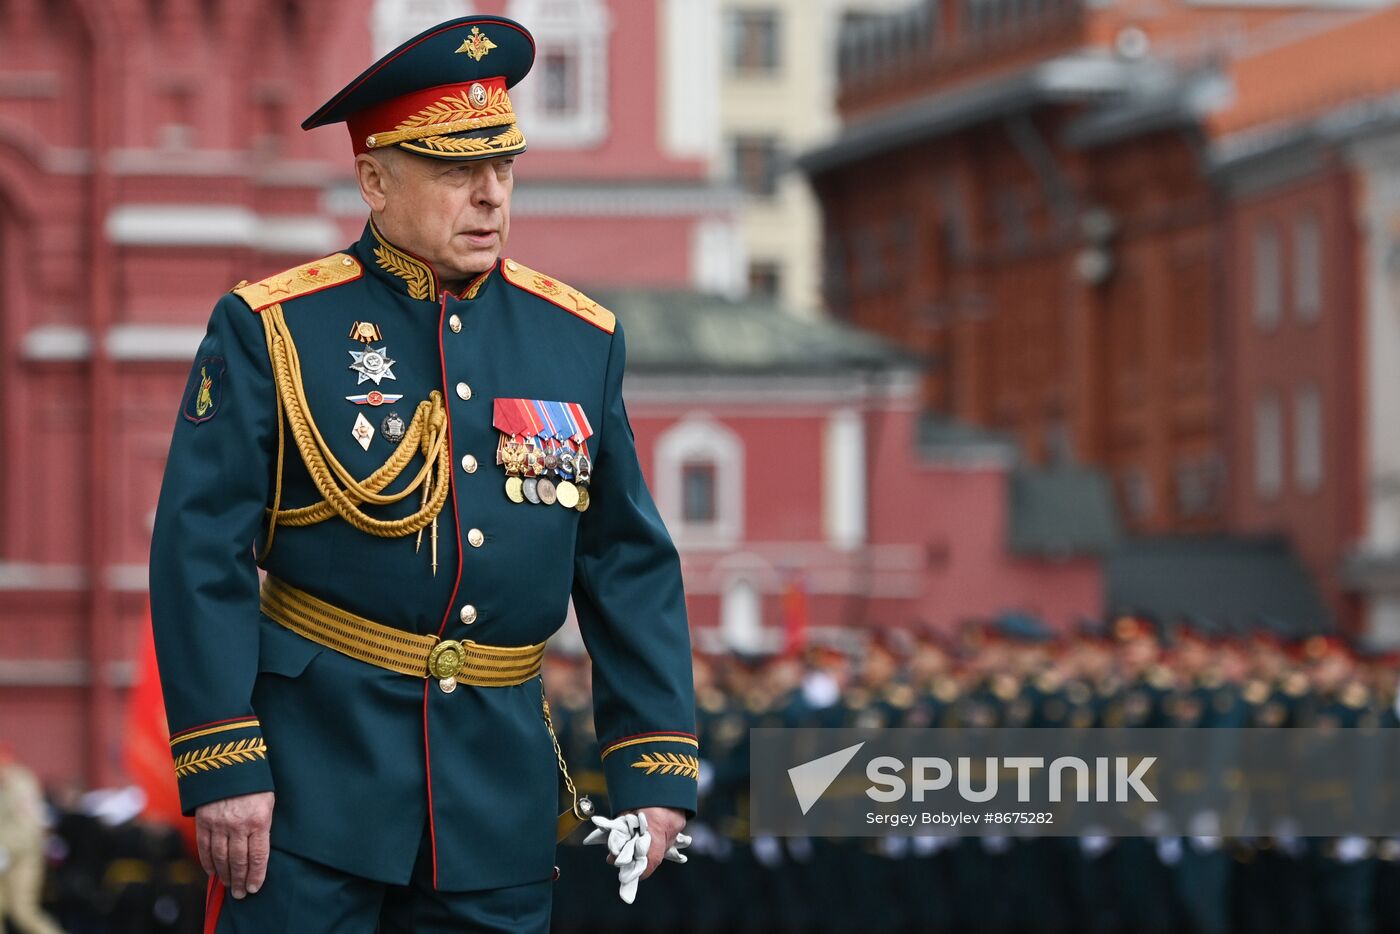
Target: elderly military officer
425,447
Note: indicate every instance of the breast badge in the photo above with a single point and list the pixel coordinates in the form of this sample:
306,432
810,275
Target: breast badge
372,364
374,397
393,428
363,431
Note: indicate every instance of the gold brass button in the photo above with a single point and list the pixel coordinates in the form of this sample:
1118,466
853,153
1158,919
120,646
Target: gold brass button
468,614
510,264
464,392
469,463
475,538
455,323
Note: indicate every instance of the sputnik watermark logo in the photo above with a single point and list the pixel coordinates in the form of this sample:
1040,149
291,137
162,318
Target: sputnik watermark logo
1116,780
1071,782
810,780
933,773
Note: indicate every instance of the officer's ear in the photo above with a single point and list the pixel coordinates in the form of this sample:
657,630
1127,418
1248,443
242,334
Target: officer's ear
375,176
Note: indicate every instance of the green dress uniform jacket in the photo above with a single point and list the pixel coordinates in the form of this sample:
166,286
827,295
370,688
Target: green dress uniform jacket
365,760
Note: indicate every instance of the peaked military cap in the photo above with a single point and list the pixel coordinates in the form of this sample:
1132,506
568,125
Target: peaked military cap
445,93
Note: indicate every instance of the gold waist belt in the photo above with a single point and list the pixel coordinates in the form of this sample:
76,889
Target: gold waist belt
407,653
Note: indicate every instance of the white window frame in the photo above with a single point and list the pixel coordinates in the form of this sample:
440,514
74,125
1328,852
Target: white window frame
1308,444
583,28
698,438
844,482
732,18
1268,446
1307,267
1268,276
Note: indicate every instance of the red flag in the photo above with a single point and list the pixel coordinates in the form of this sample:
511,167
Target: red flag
794,615
147,750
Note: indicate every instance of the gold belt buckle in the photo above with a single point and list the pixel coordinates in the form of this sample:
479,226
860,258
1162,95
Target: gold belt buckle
445,663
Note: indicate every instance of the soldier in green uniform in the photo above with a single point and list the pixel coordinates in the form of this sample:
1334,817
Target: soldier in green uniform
1208,697
1277,889
424,446
1380,667
982,867
1090,682
1142,883
775,895
1344,870
877,698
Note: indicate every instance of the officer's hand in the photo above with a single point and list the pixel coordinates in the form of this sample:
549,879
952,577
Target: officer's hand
233,840
663,824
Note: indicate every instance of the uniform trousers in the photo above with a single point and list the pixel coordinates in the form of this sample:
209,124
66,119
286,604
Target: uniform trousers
306,897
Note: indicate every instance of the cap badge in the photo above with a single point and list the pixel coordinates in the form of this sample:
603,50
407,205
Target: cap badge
478,94
477,45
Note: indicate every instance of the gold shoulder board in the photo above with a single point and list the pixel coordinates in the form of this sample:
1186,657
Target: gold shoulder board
302,280
566,297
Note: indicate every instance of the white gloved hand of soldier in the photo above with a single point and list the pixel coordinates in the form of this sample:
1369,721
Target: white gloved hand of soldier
628,842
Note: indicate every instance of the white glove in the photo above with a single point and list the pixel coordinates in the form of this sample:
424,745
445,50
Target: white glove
629,842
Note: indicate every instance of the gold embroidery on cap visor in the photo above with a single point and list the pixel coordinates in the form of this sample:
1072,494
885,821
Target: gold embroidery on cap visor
511,141
454,113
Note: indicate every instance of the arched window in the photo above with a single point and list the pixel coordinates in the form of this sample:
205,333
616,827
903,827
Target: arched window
700,483
393,21
564,102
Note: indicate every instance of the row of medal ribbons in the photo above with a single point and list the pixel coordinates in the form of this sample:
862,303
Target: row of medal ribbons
544,450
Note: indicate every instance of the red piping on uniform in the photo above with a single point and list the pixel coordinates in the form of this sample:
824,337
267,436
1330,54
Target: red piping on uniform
457,531
331,105
213,904
476,283
428,769
452,455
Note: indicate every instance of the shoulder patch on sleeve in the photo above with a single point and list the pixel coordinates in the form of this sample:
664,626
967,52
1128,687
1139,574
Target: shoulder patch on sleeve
305,279
206,390
566,297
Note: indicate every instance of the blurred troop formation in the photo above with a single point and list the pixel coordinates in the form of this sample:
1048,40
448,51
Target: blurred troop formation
1011,673
121,876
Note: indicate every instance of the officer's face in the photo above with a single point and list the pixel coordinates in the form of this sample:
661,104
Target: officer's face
455,215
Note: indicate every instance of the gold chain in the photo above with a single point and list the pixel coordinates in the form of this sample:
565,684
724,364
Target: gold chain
582,810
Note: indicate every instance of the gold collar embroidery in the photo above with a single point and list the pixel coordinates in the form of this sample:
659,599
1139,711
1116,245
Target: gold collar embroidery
417,276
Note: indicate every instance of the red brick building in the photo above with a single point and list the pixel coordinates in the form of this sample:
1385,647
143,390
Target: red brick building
1301,388
1033,195
1043,225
